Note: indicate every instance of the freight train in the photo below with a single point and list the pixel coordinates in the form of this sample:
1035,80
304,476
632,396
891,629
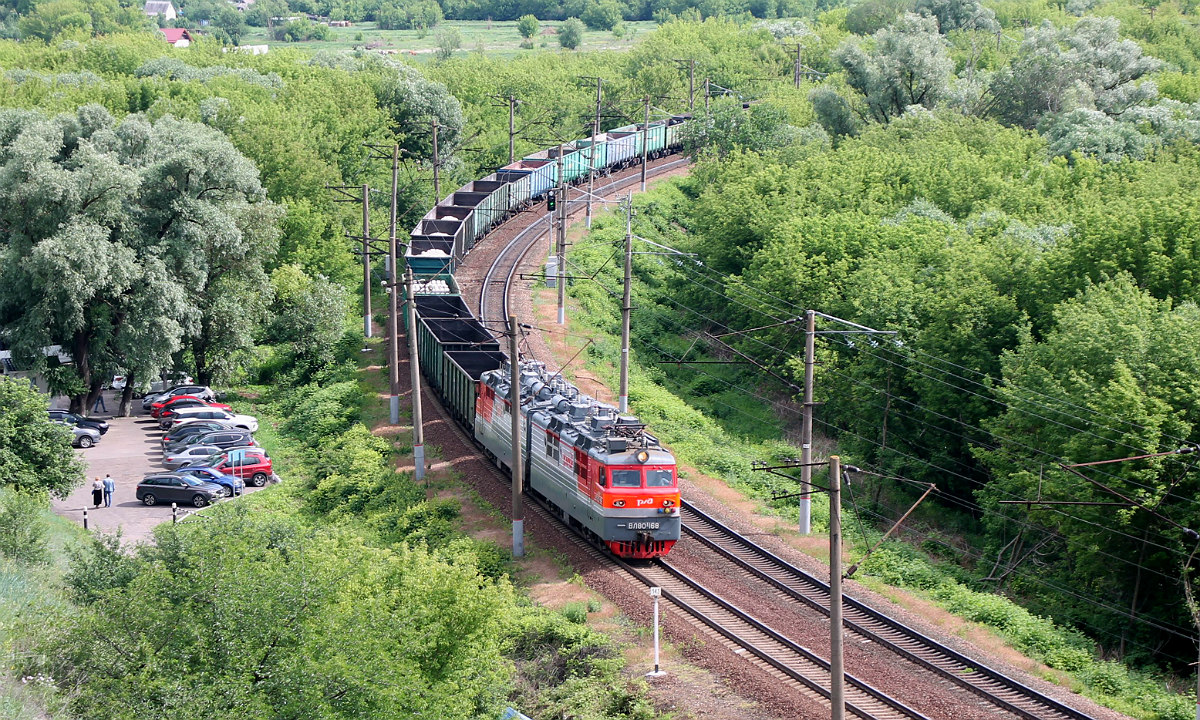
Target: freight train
600,471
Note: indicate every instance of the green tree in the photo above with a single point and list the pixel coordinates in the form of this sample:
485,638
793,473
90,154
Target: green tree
121,218
56,16
959,15
907,66
570,33
448,40
527,25
1056,70
231,22
601,14
35,454
1111,378
308,314
284,620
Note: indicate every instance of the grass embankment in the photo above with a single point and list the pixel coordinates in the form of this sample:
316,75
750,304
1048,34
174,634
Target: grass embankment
719,430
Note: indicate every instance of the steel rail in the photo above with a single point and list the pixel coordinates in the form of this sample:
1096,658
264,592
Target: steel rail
966,672
522,243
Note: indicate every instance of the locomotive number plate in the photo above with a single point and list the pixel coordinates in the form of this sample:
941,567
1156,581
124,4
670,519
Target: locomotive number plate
642,526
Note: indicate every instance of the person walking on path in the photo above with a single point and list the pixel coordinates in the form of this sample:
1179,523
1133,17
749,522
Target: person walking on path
110,486
97,492
99,405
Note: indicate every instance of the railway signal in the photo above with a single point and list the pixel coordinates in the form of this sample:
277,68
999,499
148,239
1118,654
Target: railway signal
552,201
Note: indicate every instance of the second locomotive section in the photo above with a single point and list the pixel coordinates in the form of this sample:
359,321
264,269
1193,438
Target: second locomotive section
600,471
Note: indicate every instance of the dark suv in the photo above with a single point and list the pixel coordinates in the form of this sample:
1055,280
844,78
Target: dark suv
171,487
72,419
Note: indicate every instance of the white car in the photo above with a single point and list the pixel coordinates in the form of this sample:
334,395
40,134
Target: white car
228,419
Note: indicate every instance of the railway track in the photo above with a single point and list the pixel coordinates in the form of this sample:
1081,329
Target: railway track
498,282
870,624
744,635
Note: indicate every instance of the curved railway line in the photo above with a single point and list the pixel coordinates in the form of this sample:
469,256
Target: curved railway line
761,565
498,282
723,622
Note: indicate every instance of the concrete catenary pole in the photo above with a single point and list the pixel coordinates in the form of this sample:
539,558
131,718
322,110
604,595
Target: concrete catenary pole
518,467
366,240
623,402
837,676
414,368
806,428
437,167
393,304
645,142
560,242
592,151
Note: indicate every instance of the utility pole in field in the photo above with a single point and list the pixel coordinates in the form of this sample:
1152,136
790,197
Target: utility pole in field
518,467
707,94
414,368
623,401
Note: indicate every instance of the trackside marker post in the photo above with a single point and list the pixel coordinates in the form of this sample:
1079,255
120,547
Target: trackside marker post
656,593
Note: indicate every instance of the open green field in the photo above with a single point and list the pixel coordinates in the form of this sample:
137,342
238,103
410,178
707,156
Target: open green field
491,38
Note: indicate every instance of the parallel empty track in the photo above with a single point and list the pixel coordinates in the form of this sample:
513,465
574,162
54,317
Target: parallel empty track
1002,691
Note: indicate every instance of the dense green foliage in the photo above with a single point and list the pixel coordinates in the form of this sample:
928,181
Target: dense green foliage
35,454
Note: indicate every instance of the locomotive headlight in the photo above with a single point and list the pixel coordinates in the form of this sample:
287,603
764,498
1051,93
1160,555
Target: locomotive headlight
643,456
668,503
618,503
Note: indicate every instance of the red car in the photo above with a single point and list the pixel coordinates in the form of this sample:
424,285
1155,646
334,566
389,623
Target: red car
250,464
179,401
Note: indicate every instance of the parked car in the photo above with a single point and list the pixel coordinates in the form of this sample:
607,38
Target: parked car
172,487
169,380
72,419
251,465
228,419
201,391
232,483
178,401
191,455
84,437
223,438
166,414
189,428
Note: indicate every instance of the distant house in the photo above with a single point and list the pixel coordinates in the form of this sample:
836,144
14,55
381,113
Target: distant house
244,5
340,23
178,37
160,7
252,49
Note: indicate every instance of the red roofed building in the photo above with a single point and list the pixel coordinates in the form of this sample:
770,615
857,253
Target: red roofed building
179,37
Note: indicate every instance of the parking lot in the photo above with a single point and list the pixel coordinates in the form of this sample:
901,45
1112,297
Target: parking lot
128,451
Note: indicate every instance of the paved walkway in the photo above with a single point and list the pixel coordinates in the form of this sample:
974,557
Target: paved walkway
130,449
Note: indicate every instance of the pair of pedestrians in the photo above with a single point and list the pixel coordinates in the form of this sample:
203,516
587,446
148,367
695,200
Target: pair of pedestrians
102,490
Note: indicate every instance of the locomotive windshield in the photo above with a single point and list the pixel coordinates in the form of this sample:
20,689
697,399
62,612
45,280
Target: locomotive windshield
659,478
626,478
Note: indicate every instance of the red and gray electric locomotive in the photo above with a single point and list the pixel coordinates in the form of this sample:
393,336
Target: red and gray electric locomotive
601,471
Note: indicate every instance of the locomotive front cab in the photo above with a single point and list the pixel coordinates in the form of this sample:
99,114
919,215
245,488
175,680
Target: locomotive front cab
641,505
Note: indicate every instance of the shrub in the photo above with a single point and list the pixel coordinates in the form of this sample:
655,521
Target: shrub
576,612
570,33
527,25
23,527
